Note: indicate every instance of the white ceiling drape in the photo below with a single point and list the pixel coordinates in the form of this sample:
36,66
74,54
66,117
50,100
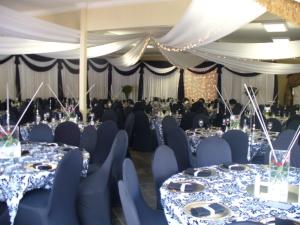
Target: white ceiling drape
206,21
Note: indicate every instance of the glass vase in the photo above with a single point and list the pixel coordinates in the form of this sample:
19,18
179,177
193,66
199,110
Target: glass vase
10,146
278,175
235,122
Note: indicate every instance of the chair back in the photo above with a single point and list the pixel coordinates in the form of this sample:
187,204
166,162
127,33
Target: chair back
276,125
68,133
128,206
284,139
168,123
110,115
131,181
158,134
164,165
4,215
238,142
105,136
88,139
213,151
129,124
142,136
62,200
293,123
187,121
41,133
177,141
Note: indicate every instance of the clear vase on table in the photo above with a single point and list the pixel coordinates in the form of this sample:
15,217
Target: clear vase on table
10,146
278,175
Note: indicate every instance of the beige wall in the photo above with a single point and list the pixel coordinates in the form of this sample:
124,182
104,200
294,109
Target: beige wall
165,13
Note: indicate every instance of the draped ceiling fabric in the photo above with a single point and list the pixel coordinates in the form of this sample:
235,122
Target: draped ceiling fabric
200,86
232,86
207,21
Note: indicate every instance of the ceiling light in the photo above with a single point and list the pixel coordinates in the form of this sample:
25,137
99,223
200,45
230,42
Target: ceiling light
275,27
150,46
281,40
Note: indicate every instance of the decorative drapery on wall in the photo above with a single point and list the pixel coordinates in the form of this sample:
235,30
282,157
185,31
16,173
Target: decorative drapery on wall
7,69
200,86
149,79
232,86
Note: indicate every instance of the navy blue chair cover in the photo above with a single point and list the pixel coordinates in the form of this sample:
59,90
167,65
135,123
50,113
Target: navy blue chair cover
295,156
110,115
88,139
276,125
129,210
58,205
213,151
199,117
238,142
177,141
187,121
146,214
284,139
168,123
129,124
94,195
41,133
164,165
4,216
67,133
142,135
159,137
293,124
245,223
106,134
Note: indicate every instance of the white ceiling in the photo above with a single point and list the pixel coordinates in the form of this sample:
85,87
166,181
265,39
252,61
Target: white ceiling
43,7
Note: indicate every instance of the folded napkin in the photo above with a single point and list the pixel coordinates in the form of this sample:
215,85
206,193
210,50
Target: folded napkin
198,173
24,152
217,208
184,187
213,208
200,212
41,166
233,166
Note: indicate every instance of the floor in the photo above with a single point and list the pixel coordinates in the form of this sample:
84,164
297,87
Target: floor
142,162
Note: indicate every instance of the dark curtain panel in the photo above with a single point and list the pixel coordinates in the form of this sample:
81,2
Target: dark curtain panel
109,81
219,84
181,85
17,79
141,83
59,80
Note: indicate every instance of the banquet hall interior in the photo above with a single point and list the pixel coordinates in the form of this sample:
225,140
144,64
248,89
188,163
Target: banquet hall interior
144,112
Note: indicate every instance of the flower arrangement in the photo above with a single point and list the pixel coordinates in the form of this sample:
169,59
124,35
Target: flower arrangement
127,89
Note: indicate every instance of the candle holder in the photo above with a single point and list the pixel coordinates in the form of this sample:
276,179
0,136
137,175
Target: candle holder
278,175
10,146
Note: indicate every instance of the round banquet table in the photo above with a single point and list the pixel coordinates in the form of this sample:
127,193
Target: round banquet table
35,169
228,188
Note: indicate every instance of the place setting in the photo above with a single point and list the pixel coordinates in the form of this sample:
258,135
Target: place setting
200,172
185,186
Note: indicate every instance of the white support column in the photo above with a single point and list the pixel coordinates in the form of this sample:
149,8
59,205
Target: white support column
83,64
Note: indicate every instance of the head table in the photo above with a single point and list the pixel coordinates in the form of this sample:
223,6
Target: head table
35,169
228,188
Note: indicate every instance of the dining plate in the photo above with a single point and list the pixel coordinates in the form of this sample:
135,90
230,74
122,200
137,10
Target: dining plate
42,166
201,172
198,187
234,167
213,216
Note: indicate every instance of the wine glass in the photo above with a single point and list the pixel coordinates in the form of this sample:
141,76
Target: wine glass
200,123
270,126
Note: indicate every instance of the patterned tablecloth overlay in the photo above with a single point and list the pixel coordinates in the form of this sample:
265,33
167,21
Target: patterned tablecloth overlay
228,188
35,169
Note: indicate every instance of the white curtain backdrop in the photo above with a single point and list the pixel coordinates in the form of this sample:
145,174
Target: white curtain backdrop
101,83
160,86
70,83
31,80
118,81
7,76
233,86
